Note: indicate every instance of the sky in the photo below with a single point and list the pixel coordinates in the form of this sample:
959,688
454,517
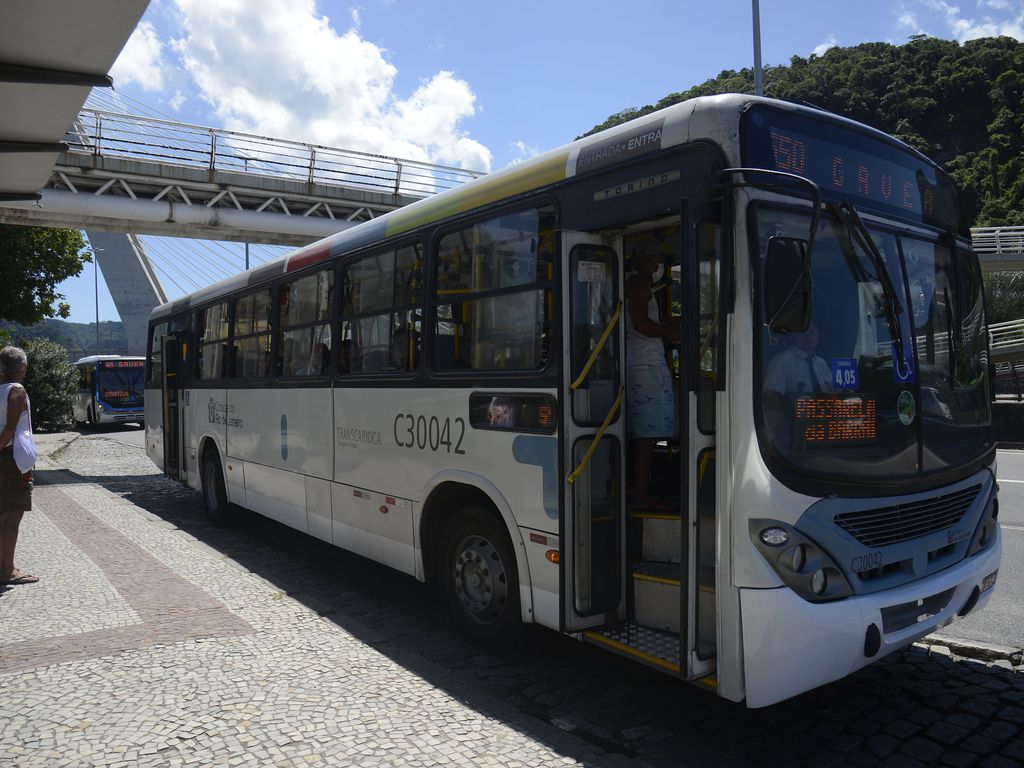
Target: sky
478,84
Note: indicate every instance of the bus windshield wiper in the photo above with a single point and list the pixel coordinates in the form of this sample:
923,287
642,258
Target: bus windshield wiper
855,228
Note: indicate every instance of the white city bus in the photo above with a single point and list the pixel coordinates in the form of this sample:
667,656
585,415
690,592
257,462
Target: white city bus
110,390
441,390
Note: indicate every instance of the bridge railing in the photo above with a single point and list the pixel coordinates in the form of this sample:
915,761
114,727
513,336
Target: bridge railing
1008,334
104,133
998,239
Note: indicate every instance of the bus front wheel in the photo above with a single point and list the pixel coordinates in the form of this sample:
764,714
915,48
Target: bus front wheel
215,497
479,580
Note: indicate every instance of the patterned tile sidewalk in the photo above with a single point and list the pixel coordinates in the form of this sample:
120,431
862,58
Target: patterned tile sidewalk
142,646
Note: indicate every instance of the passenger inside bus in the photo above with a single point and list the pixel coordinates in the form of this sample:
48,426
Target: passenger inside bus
405,346
649,389
345,356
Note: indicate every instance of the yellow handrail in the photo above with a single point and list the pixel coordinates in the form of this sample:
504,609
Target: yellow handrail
597,438
597,349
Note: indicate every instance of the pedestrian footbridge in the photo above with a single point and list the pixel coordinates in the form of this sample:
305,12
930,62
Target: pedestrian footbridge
1007,354
1000,249
1007,341
129,173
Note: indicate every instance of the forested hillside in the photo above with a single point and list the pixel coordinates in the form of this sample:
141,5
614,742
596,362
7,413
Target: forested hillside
959,104
79,339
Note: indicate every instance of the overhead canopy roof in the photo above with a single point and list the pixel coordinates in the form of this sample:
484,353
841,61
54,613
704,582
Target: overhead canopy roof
51,53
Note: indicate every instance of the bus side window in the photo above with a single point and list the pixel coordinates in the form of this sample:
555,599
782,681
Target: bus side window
306,307
211,332
156,353
380,329
493,301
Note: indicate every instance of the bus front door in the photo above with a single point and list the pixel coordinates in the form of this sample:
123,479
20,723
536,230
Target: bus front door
172,392
592,530
700,382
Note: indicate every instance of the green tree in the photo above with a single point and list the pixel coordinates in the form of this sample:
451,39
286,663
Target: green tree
1005,296
51,382
32,262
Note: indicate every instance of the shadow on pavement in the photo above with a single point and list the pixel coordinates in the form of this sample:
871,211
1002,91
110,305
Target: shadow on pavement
909,709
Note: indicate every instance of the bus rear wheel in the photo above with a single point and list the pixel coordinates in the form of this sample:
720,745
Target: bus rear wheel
215,497
479,581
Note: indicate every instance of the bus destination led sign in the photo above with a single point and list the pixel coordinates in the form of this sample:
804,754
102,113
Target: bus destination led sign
109,365
850,163
852,173
834,420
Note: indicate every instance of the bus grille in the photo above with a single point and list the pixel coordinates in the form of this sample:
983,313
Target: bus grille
903,522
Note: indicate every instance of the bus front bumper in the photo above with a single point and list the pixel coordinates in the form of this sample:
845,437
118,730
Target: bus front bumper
116,417
791,646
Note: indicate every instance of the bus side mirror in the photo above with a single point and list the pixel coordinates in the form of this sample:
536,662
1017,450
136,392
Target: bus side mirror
787,281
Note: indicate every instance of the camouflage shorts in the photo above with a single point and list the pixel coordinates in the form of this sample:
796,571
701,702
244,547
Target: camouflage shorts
15,487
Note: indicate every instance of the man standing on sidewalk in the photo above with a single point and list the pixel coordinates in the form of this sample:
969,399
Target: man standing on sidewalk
17,457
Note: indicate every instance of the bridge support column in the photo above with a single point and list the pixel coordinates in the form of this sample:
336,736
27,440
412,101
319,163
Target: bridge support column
133,284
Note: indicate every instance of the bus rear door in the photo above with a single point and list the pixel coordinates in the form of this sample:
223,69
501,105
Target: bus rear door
592,541
173,383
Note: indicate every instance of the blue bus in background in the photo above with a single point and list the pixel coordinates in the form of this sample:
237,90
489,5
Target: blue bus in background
110,390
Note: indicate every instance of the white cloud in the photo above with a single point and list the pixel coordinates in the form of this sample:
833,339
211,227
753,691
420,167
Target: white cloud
177,101
141,61
523,151
963,28
830,42
282,69
909,21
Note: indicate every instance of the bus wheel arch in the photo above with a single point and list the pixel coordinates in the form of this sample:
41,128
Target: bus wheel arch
452,501
479,578
213,486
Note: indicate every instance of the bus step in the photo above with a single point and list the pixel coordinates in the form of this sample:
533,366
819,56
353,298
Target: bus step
656,597
654,648
660,535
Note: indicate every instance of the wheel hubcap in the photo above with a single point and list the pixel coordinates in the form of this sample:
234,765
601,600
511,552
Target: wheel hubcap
479,577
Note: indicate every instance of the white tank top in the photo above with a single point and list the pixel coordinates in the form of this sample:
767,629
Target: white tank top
24,421
641,349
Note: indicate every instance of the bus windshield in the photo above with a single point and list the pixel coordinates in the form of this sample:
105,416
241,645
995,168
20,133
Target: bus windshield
889,381
120,382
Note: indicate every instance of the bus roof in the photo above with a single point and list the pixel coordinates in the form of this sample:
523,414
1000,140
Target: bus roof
701,117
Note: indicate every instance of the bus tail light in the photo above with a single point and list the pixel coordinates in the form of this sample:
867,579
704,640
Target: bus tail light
802,565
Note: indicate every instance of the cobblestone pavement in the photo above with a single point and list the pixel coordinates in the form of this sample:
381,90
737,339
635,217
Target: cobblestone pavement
155,639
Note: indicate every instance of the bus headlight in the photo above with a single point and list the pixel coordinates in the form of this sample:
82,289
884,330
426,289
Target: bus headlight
100,408
774,536
987,526
802,565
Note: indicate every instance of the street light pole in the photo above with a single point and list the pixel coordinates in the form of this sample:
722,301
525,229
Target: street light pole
758,81
96,287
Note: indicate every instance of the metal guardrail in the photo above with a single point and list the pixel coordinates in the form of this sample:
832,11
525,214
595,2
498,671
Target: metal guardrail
104,133
995,240
1008,334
